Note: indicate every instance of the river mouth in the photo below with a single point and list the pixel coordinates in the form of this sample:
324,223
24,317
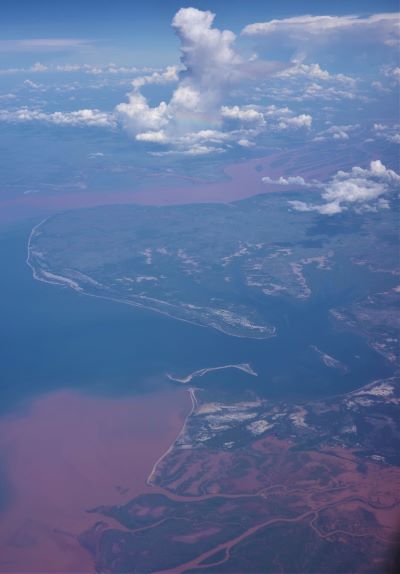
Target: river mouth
68,453
93,381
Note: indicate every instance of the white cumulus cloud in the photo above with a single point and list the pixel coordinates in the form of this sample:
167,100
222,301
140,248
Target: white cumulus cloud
313,71
170,75
155,137
137,115
301,121
242,114
337,133
292,180
78,118
210,67
361,188
390,133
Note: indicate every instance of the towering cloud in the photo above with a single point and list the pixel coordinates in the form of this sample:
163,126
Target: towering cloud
210,66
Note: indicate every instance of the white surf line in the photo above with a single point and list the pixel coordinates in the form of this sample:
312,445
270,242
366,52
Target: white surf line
64,281
192,393
195,402
28,255
47,276
245,367
142,306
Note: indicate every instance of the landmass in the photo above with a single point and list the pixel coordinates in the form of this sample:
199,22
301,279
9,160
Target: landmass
245,367
243,480
205,264
309,456
330,361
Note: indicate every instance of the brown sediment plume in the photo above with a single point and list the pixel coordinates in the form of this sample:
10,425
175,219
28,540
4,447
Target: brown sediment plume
243,180
72,452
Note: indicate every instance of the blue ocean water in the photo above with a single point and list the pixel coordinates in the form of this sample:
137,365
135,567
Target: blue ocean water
52,337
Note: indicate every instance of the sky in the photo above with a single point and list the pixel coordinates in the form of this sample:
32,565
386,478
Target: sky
159,82
126,30
161,102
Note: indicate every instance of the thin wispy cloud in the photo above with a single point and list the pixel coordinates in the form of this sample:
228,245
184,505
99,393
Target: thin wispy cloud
78,118
43,44
377,28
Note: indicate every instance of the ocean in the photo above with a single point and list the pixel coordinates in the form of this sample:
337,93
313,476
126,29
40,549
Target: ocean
54,338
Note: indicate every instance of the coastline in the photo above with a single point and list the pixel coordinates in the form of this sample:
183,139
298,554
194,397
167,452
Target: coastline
71,452
66,282
150,478
245,367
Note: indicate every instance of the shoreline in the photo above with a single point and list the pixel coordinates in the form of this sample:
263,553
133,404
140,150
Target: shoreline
65,282
245,367
71,452
239,180
149,481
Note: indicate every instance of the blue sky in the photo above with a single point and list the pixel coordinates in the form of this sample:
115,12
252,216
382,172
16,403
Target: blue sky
166,86
126,30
